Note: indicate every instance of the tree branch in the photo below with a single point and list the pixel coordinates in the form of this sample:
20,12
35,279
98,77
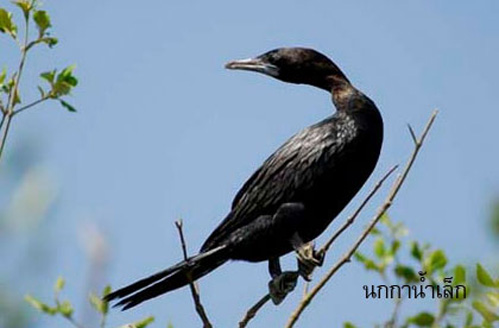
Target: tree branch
11,102
250,314
382,210
17,111
194,291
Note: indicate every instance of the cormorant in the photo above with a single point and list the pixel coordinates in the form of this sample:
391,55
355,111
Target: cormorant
298,190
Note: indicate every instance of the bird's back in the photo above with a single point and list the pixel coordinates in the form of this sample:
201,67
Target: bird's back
322,167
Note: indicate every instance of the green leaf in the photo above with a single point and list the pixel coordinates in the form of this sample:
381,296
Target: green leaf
486,324
407,273
379,248
50,41
59,284
66,75
493,299
66,309
484,277
106,291
64,82
416,251
469,319
67,106
459,275
395,246
368,263
349,325
105,304
48,76
143,323
40,305
3,75
487,314
423,319
97,303
42,20
17,97
42,92
385,219
7,24
399,230
25,6
435,261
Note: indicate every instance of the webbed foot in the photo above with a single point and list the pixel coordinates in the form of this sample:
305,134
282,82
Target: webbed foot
282,285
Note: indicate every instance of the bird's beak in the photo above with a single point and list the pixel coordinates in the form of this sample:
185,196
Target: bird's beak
255,65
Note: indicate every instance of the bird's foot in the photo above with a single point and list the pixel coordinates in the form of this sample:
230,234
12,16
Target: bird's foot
282,285
308,259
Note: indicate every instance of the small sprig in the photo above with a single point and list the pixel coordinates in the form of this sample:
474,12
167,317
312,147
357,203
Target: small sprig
61,83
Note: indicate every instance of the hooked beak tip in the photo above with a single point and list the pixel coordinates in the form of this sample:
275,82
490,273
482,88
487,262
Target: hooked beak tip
253,64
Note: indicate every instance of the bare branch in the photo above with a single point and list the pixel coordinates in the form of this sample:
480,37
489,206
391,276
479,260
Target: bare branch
194,291
250,314
7,120
17,111
413,135
382,210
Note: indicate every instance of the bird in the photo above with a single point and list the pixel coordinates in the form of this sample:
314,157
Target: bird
296,193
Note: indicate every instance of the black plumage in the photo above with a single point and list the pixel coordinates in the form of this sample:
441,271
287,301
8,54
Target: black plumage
299,189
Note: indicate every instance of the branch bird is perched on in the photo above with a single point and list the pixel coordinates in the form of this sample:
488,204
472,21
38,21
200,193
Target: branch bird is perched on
298,190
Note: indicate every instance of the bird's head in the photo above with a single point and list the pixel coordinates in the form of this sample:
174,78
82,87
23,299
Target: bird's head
294,65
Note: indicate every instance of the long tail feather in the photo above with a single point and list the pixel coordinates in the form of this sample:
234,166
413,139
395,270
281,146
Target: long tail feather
169,279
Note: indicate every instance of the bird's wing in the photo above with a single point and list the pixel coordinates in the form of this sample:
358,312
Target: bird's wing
284,177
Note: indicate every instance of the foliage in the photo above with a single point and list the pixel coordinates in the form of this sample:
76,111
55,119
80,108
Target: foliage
66,310
60,82
481,310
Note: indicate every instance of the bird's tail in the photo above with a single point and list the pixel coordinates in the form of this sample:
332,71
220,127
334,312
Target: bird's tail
169,279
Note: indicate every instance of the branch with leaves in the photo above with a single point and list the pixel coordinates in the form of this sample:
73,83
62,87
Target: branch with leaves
60,83
388,260
65,308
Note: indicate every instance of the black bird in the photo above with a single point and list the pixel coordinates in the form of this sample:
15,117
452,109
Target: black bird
298,190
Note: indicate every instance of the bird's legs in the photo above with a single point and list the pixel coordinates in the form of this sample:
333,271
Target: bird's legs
282,283
307,257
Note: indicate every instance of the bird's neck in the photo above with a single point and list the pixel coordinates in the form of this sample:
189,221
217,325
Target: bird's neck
344,95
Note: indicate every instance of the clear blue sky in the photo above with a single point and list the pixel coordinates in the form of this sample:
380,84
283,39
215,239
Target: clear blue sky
163,132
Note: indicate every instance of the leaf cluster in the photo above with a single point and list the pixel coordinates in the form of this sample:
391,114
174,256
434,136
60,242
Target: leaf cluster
66,310
385,261
61,83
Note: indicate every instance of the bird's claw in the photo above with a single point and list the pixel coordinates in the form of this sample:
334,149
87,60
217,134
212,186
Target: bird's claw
282,285
308,259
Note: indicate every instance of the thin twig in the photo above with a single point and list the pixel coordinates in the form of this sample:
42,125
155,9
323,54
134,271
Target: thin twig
352,217
3,140
382,210
2,121
194,291
413,135
11,102
17,111
74,323
250,314
392,323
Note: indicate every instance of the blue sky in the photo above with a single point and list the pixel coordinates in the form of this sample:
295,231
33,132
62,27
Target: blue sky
163,131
